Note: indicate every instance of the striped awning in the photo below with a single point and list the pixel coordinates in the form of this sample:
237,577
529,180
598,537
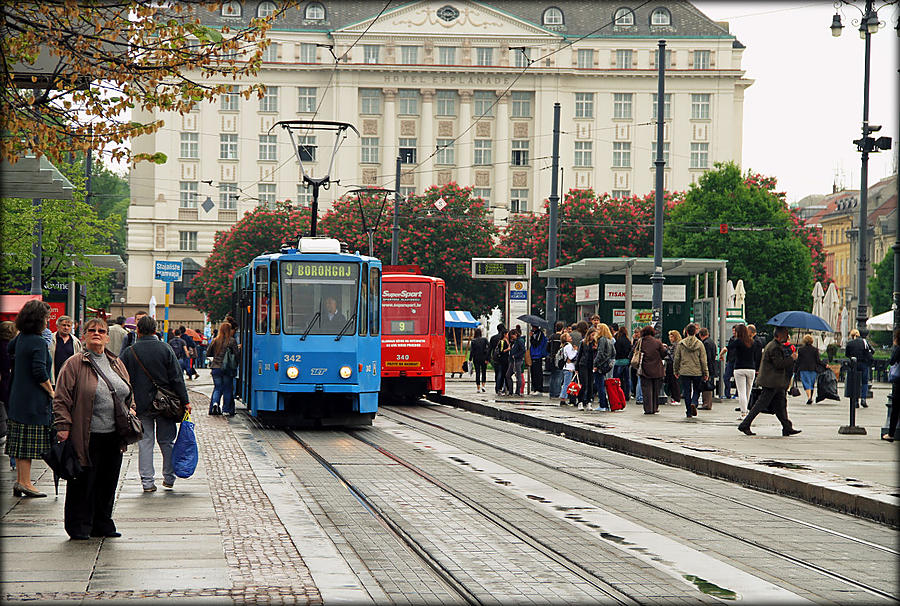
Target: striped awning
460,319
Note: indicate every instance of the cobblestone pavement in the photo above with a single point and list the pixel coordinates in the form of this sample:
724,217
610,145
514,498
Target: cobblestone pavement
590,472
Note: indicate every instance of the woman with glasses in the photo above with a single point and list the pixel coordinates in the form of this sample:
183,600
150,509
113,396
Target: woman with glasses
92,392
30,395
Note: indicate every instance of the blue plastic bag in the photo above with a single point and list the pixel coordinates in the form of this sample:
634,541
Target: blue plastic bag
185,454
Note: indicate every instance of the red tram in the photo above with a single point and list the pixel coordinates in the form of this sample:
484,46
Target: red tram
412,333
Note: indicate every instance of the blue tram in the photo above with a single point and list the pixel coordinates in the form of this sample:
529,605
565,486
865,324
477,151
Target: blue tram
309,326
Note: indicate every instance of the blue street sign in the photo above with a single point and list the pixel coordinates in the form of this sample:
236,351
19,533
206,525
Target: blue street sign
518,295
168,271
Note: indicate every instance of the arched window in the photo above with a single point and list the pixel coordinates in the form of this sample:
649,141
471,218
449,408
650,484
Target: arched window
265,9
315,11
661,16
624,16
231,9
553,16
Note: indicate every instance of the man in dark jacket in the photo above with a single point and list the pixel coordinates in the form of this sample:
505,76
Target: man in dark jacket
859,348
712,363
775,373
538,351
151,361
499,370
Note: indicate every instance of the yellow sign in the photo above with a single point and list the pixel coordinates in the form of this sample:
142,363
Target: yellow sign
403,364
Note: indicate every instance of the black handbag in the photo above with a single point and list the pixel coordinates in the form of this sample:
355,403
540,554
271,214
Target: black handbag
165,403
794,391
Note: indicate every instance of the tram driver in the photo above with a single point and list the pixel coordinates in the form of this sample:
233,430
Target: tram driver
332,320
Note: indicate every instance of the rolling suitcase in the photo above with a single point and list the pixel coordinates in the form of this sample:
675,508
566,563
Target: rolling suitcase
614,394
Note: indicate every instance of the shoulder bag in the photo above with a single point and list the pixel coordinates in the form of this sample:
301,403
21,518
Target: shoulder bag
637,358
133,430
165,403
229,361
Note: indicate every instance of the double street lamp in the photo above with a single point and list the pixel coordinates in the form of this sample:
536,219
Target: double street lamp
868,25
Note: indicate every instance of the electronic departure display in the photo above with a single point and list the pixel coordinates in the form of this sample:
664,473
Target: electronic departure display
293,271
499,269
403,327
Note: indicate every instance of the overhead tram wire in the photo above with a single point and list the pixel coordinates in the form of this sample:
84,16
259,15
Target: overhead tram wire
516,79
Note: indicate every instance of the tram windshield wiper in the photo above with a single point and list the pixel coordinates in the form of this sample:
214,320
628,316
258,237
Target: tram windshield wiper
310,325
346,326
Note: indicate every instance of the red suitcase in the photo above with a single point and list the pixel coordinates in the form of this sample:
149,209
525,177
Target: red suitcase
614,394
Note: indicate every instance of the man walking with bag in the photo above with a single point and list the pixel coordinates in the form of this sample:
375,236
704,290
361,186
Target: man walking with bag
775,373
151,363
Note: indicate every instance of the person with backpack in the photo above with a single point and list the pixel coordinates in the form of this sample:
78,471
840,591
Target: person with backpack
554,346
538,351
223,352
515,358
479,355
496,362
604,363
179,347
691,369
859,348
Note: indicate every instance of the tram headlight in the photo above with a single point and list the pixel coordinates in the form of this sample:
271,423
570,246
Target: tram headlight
293,372
346,372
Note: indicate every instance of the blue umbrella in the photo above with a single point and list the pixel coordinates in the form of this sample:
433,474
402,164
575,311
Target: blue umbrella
799,319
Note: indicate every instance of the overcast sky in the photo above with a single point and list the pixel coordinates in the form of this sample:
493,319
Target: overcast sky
805,106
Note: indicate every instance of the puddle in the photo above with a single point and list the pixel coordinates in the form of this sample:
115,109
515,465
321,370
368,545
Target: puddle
711,588
783,465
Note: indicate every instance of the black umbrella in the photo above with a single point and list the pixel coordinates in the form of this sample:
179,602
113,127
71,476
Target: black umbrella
63,460
535,321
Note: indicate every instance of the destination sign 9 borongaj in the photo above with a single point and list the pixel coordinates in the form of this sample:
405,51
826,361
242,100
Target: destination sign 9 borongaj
499,269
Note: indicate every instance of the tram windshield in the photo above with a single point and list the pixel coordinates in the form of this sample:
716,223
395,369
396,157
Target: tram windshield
319,297
404,308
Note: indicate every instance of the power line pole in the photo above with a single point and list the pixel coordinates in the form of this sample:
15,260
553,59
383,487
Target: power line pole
552,289
395,229
657,279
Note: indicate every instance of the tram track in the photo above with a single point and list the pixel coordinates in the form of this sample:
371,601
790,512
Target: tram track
445,574
661,508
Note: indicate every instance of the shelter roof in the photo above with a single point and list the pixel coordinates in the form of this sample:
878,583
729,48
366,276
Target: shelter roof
641,266
33,177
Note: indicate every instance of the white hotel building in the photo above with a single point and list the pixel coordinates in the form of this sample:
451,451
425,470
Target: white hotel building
418,80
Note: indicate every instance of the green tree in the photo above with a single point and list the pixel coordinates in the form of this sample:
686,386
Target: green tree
110,197
761,246
881,285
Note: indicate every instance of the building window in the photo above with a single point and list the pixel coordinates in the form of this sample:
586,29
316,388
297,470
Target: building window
407,191
520,152
270,53
584,105
409,55
228,146
518,200
187,240
187,194
665,153
306,99
660,16
482,152
268,147
667,106
314,12
521,105
408,101
190,145
484,101
584,153
701,59
700,106
521,56
306,148
269,102
699,155
407,151
624,16
585,58
553,16
445,152
619,194
668,58
484,56
266,193
621,154
370,101
304,194
265,9
231,9
371,53
447,55
622,105
484,193
307,53
623,58
228,195
369,149
230,100
446,102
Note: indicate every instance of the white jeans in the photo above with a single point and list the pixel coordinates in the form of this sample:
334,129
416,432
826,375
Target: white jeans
743,379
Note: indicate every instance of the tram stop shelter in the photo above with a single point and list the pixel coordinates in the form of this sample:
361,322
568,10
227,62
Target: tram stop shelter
619,290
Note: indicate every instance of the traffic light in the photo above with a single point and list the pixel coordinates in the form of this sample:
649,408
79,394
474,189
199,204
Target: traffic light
723,228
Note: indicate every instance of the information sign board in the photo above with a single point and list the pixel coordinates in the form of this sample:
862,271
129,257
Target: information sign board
501,269
168,271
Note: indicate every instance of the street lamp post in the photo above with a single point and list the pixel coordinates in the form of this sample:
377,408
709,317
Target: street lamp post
868,25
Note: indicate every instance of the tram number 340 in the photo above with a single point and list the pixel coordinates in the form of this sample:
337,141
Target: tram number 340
403,357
